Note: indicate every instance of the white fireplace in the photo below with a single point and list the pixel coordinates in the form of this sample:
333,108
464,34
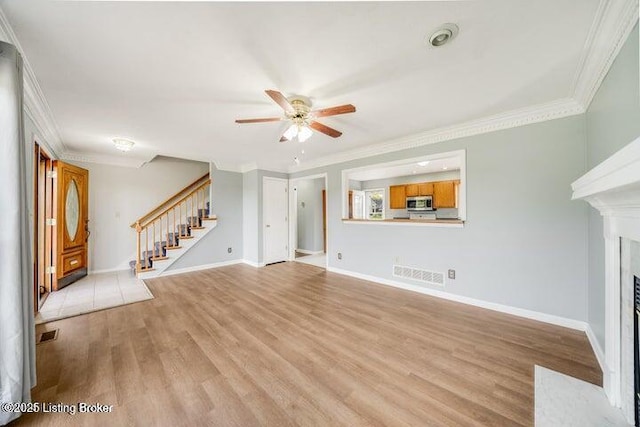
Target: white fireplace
613,188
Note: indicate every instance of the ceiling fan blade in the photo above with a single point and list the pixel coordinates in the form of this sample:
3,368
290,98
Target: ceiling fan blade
270,119
334,111
283,139
280,100
325,129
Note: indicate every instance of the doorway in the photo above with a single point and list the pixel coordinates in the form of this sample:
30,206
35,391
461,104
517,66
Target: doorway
71,204
42,227
275,220
309,220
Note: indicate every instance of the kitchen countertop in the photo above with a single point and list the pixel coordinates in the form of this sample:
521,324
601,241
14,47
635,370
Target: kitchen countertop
407,220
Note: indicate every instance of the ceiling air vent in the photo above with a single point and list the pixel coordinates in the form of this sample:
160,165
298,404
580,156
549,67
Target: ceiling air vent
420,275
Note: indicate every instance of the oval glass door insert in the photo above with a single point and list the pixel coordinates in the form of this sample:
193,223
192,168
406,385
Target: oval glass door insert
72,210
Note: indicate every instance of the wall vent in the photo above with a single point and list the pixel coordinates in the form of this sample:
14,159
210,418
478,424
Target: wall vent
425,276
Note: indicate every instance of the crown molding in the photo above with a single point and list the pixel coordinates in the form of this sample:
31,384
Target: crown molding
232,167
124,161
611,27
511,119
35,104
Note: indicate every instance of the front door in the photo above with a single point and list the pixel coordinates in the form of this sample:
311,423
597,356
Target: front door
275,219
72,224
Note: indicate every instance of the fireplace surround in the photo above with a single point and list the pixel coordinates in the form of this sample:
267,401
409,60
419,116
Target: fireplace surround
613,188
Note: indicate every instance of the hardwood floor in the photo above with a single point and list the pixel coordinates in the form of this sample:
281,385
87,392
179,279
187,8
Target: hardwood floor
291,344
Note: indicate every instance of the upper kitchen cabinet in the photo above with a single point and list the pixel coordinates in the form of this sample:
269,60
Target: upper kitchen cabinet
419,189
397,196
444,194
411,190
425,189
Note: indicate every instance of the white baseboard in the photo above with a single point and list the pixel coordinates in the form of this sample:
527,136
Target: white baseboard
304,251
528,314
596,347
253,263
200,267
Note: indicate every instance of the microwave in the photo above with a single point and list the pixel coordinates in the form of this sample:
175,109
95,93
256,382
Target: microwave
421,203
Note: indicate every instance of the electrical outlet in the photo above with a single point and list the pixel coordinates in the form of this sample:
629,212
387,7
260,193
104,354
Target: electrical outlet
396,260
229,250
339,255
452,274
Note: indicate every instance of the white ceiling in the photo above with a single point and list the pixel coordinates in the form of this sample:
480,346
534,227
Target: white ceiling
174,76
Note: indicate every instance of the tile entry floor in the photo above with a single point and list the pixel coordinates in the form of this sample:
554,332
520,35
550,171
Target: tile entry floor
91,293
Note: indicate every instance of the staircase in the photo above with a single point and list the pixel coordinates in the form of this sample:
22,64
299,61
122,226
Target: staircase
171,229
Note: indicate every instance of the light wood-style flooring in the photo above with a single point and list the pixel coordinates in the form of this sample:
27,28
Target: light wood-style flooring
291,344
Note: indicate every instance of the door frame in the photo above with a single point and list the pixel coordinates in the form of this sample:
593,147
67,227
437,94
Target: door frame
42,186
264,208
293,213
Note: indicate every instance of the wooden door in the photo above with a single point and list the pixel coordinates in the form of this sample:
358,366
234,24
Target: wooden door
444,194
397,197
72,223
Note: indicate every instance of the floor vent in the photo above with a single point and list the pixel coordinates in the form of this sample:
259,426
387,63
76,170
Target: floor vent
47,336
425,276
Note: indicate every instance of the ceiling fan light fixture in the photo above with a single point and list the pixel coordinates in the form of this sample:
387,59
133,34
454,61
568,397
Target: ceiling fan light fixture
292,132
304,133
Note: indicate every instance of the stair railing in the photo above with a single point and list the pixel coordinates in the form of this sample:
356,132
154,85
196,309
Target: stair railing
173,220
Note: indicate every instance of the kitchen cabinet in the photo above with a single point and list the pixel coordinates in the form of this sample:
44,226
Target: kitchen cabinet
425,189
419,189
444,194
411,190
397,197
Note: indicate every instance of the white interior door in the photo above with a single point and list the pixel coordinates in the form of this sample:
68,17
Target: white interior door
275,220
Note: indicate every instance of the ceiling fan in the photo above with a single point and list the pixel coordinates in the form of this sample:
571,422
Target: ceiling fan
298,111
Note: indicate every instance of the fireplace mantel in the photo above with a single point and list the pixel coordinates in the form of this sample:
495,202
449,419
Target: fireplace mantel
613,188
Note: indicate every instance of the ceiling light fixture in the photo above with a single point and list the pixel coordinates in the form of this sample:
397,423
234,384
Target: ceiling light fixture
302,131
425,163
445,168
443,35
123,145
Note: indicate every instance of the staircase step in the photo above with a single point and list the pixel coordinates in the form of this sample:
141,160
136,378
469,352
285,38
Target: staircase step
183,230
161,248
210,218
